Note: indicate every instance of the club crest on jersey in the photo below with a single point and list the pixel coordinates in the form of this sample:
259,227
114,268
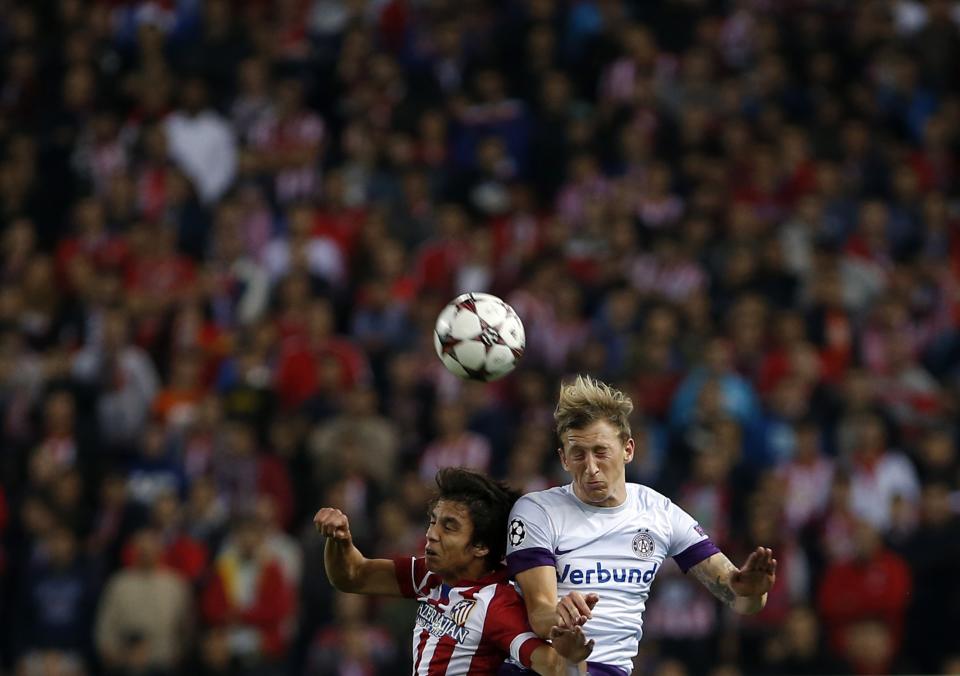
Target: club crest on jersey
517,532
461,611
643,544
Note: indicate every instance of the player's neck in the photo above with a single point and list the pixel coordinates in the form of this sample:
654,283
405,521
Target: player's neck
474,571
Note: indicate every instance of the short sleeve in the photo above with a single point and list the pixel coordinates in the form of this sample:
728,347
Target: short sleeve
531,537
413,577
508,628
689,543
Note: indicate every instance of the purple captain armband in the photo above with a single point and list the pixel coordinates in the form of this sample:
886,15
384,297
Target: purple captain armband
696,553
525,559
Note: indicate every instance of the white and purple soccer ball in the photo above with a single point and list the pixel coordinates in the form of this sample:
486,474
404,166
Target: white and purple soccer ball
479,337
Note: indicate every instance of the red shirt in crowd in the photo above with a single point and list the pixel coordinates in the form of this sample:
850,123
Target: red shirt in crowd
852,591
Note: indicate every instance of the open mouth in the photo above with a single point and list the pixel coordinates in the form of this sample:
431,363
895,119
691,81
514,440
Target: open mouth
429,552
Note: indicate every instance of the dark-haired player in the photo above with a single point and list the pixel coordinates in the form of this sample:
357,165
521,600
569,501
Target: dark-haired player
469,618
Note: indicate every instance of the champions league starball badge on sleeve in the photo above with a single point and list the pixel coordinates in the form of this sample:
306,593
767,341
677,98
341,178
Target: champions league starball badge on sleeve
517,532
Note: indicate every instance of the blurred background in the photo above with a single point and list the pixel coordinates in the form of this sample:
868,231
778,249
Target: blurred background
227,229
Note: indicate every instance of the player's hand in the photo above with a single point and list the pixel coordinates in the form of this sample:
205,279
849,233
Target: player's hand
333,524
571,644
574,609
757,575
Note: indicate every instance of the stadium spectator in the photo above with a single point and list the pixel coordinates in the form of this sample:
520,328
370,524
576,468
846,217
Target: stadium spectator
864,601
455,445
201,142
57,603
798,648
145,619
879,475
931,551
250,598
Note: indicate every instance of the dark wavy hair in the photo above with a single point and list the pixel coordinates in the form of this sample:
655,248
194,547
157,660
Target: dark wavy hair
488,502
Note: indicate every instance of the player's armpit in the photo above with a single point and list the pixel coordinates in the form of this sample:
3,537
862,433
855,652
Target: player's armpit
539,586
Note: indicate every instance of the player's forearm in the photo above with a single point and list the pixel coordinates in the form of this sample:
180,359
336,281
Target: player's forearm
342,561
543,619
743,605
716,575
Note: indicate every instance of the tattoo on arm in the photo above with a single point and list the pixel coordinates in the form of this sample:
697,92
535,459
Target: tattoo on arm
714,574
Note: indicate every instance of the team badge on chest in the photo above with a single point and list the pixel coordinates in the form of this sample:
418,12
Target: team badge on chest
644,544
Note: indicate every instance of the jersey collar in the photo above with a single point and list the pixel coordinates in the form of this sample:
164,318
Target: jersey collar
593,508
498,574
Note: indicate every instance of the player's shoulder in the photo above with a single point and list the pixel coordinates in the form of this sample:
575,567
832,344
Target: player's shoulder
545,499
506,589
505,597
648,498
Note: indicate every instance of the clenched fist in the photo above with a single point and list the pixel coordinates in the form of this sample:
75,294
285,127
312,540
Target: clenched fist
333,523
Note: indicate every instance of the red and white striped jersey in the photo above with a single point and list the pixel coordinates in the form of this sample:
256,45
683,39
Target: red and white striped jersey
469,628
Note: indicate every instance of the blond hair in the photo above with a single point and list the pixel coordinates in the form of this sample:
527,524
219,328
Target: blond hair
586,400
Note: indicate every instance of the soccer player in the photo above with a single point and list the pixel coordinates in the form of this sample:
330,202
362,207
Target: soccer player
469,618
600,537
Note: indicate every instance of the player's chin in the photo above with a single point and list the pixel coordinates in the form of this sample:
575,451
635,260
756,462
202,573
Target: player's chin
596,488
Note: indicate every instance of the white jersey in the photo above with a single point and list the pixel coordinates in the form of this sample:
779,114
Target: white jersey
613,551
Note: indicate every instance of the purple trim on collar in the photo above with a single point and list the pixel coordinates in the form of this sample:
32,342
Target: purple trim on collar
695,553
525,559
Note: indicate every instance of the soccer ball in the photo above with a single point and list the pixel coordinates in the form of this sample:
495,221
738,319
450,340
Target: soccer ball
479,337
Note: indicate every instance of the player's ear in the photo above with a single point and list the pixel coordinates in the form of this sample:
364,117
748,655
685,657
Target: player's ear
628,450
563,459
480,550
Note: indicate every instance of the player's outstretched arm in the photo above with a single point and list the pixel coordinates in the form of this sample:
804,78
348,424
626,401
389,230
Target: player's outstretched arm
347,569
569,647
539,587
743,589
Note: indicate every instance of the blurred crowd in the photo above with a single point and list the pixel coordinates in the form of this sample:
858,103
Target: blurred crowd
228,227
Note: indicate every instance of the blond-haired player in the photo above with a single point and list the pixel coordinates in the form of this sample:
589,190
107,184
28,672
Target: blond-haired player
600,536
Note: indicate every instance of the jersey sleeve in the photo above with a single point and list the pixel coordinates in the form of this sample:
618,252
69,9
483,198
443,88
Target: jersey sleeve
531,537
689,543
507,626
413,577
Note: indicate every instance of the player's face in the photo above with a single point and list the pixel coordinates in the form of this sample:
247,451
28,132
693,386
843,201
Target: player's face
449,551
596,458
